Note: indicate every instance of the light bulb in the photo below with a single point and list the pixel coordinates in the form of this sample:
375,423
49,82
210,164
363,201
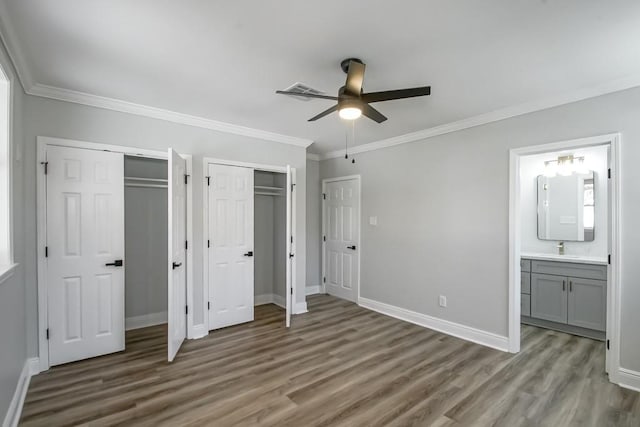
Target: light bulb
350,113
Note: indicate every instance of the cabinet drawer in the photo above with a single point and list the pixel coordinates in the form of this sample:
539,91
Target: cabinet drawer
567,269
525,265
525,305
525,283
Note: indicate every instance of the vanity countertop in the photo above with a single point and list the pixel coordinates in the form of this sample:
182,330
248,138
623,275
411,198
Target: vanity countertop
578,259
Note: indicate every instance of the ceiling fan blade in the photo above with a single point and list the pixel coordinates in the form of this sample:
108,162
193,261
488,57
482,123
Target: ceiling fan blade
372,113
355,77
324,113
307,95
389,95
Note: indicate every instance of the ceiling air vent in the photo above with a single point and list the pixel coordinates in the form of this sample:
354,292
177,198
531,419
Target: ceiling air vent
303,88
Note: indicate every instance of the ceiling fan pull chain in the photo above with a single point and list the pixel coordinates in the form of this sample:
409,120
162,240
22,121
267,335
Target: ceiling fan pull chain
353,137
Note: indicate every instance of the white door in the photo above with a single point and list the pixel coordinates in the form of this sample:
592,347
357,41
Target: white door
230,226
177,284
289,247
342,229
85,246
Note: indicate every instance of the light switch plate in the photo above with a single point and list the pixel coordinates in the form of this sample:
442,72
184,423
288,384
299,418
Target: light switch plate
443,301
373,220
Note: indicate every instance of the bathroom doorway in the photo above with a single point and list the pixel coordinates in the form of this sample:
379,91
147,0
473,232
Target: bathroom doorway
564,245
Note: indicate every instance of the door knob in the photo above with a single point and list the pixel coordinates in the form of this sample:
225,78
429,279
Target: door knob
116,263
176,265
250,253
353,248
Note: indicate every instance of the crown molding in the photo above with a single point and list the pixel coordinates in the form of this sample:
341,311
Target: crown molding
313,156
8,37
628,82
161,114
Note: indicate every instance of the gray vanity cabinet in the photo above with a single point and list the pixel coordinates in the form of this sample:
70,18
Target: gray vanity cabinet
570,297
549,297
587,301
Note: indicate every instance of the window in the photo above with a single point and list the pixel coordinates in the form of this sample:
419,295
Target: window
5,175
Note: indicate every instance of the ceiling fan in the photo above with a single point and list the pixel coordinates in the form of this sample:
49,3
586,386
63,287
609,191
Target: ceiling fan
352,102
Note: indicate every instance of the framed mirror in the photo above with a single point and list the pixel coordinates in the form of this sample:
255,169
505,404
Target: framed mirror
566,207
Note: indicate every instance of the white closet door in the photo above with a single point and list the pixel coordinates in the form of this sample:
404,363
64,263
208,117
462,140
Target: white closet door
230,225
289,246
177,284
342,226
85,240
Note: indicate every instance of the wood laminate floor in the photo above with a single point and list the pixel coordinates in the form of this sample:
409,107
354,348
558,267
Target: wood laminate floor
339,365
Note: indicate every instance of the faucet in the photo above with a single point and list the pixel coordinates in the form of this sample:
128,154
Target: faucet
560,248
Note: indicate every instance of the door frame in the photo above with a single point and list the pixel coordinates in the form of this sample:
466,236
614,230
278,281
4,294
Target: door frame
615,249
41,229
325,181
206,161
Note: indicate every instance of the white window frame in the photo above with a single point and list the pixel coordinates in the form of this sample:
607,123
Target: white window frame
7,264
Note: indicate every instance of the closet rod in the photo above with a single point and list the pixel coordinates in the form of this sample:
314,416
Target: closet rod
134,178
145,185
260,193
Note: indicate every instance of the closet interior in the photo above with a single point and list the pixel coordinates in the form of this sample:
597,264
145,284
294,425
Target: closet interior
146,250
270,238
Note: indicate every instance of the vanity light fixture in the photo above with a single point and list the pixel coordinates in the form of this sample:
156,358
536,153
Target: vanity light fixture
564,165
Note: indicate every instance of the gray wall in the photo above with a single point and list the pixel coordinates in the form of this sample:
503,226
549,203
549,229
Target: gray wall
146,251
13,350
263,237
443,214
314,224
48,117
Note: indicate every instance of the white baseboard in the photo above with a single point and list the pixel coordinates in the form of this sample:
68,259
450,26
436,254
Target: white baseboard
199,331
300,308
270,299
468,333
312,290
629,379
151,319
30,368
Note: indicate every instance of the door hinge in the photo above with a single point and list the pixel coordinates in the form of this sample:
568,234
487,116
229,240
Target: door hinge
291,239
46,167
291,255
46,251
208,243
186,245
609,259
186,179
208,181
208,305
609,173
324,196
324,238
186,309
608,345
324,280
292,186
47,333
291,291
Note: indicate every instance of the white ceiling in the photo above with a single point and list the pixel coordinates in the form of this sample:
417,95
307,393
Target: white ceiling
223,60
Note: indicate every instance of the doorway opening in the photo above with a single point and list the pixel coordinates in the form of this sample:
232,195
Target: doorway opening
564,247
104,233
249,223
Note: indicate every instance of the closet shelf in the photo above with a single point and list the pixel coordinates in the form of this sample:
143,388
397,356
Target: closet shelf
135,178
267,188
264,193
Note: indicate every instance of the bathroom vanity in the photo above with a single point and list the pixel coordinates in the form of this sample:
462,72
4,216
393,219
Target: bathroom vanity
565,293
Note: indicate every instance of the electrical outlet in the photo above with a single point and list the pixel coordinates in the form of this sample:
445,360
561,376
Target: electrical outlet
373,220
442,301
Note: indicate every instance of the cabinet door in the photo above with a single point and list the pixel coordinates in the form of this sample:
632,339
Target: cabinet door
588,303
525,283
549,297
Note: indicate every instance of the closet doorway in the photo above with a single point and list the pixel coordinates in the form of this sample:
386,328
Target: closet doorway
106,222
249,223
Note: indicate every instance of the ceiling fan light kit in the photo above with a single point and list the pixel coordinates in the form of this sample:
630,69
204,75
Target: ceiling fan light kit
352,102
